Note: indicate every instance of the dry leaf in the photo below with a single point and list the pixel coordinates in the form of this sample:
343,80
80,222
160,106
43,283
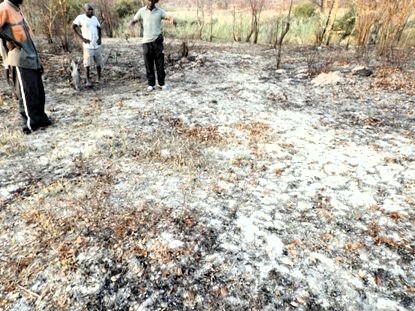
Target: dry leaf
219,189
384,240
395,216
353,246
190,296
378,280
278,171
25,261
223,292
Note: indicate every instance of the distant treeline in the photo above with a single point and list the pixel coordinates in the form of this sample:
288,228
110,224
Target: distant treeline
383,23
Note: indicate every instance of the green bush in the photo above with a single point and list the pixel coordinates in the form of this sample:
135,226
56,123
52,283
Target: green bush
305,10
127,7
345,24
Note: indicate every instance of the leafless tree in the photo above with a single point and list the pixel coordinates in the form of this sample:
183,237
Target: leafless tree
53,18
64,30
107,16
284,25
328,15
210,4
49,15
256,7
236,29
200,6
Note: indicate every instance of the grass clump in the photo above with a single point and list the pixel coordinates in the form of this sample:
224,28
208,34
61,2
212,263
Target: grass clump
11,142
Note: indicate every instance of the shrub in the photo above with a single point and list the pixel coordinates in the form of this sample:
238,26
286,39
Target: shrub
305,10
345,24
126,7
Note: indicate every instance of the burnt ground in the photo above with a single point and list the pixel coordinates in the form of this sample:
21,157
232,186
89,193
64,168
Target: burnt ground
239,187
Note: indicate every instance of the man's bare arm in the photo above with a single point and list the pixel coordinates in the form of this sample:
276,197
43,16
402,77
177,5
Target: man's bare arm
171,20
75,28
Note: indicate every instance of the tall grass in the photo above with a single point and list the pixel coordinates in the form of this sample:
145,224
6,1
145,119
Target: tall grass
384,23
391,21
408,35
228,25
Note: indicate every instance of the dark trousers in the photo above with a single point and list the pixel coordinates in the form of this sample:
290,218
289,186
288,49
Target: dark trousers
153,55
29,90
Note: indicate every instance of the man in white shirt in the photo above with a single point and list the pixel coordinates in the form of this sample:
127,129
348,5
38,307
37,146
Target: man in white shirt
151,16
91,38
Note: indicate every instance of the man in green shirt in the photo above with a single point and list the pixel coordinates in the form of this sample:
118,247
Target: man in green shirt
151,17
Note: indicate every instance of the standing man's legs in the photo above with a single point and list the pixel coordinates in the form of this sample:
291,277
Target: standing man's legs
159,60
88,80
149,63
99,73
30,93
91,57
87,64
99,62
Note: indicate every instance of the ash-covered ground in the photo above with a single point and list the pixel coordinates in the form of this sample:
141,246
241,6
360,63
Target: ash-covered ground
239,187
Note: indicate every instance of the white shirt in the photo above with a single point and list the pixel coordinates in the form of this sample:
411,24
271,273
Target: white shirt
89,29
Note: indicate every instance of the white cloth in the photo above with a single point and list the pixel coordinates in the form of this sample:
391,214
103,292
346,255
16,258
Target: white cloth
89,30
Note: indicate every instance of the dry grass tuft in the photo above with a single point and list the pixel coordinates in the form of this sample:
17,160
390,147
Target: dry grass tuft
204,134
258,132
11,142
168,149
382,22
393,79
209,134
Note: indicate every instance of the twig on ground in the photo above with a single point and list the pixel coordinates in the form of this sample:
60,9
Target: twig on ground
28,291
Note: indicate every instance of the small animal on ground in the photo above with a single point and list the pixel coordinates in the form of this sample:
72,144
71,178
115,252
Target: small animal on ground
76,75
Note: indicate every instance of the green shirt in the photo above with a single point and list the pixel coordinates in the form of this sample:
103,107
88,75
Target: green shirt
151,22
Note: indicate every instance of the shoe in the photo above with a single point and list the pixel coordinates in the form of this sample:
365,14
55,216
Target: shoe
45,123
88,84
164,87
150,88
26,130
